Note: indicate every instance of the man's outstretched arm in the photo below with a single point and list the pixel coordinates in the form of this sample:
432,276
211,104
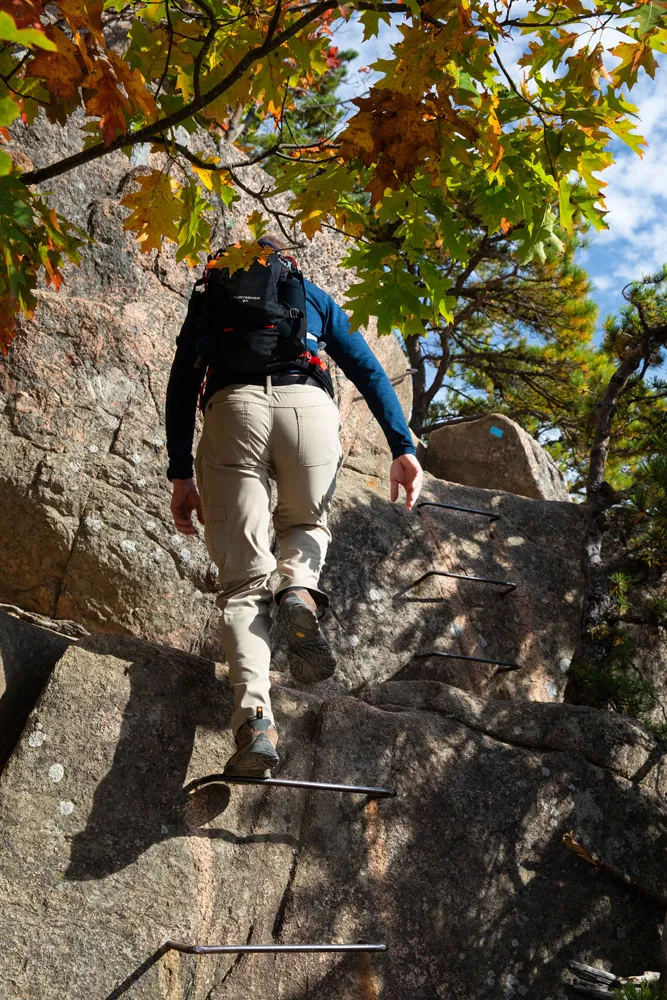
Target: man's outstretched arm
357,361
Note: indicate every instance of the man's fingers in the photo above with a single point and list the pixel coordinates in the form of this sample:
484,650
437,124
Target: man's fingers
394,490
183,520
410,495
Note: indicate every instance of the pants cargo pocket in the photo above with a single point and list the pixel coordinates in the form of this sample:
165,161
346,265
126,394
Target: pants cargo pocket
215,534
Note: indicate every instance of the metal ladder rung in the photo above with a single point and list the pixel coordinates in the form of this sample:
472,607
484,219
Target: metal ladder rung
451,506
230,949
318,786
456,576
505,665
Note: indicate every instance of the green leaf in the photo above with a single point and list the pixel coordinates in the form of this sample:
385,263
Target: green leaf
257,224
9,110
624,129
650,15
29,37
565,205
5,163
371,20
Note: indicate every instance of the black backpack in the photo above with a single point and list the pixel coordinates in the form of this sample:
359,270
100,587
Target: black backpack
252,321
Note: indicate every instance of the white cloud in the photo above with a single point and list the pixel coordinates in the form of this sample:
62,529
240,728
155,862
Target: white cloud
349,35
636,195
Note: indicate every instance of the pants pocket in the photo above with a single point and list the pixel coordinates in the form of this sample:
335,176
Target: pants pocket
227,433
215,517
318,429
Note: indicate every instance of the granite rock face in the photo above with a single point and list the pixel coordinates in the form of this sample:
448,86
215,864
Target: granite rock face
494,452
103,855
82,432
378,549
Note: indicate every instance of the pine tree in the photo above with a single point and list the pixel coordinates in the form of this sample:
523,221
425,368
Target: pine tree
625,544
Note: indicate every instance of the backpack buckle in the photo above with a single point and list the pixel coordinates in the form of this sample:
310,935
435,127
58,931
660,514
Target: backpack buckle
294,313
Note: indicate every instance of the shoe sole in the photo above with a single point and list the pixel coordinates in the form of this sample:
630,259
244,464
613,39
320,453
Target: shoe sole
311,657
255,761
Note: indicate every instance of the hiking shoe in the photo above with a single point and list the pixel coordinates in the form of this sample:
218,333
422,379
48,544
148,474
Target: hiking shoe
256,754
310,656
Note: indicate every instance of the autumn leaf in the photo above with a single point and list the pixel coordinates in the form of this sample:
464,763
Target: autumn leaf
62,70
242,255
156,210
257,224
135,85
633,58
107,102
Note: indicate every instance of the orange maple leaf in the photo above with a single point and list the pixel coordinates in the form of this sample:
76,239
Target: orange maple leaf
107,103
61,71
135,85
241,255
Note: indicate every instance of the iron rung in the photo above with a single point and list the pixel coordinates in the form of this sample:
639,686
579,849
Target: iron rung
227,949
466,510
505,664
318,786
455,576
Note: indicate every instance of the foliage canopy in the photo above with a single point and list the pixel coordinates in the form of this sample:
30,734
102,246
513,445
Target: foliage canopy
448,111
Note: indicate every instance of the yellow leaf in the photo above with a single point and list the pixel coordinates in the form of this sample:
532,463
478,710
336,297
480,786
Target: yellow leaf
135,85
242,255
156,208
257,224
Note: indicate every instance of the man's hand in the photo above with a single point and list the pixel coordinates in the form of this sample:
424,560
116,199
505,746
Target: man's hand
184,499
406,472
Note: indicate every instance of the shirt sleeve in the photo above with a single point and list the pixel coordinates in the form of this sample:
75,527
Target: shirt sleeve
357,361
185,380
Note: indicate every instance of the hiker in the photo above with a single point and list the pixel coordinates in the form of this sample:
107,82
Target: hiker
259,427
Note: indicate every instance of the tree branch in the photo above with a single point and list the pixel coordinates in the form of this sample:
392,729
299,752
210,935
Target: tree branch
271,42
206,44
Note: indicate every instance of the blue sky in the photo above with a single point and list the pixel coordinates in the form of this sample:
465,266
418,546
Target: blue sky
636,196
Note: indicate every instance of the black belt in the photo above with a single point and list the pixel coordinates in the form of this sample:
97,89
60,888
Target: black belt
284,379
215,383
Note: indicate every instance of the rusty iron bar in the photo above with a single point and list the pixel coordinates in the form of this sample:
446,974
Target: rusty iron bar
231,949
317,786
451,506
455,576
503,665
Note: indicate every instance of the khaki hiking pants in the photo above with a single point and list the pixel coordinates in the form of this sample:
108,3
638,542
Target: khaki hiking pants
253,434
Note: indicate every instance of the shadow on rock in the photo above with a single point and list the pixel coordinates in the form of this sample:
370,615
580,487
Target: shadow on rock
141,801
28,654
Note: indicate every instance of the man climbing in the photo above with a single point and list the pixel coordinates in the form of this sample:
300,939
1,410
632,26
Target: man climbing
260,427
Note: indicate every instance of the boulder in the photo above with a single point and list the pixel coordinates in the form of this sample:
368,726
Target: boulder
494,452
103,855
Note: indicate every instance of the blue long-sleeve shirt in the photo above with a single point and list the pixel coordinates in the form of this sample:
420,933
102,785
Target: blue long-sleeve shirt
327,326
